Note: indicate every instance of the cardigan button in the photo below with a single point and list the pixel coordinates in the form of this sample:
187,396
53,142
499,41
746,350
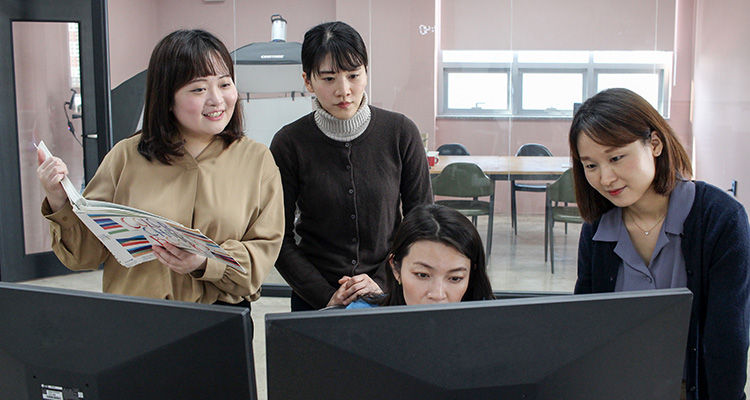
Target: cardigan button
351,191
692,388
354,262
347,144
690,272
354,240
693,350
348,167
354,216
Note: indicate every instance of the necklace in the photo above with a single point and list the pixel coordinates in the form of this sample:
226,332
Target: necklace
645,232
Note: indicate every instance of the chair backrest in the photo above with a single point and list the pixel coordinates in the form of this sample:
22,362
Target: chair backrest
453,149
462,180
533,150
562,189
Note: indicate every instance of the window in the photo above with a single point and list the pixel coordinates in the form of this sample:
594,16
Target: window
551,92
477,90
546,83
646,84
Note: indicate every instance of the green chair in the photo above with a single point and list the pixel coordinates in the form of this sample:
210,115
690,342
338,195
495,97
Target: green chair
461,179
559,191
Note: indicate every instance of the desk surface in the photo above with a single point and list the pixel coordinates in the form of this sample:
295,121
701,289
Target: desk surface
511,167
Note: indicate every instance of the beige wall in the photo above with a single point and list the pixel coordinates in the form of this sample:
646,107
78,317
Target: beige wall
721,110
135,26
403,61
133,34
558,25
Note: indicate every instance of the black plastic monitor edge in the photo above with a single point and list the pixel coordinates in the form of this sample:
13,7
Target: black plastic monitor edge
655,317
510,298
236,322
283,290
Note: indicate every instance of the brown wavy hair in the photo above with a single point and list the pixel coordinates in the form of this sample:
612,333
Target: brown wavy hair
177,59
616,118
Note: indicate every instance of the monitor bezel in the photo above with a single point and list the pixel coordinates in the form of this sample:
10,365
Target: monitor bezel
127,315
680,299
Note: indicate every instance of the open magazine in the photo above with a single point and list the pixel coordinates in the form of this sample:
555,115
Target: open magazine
128,233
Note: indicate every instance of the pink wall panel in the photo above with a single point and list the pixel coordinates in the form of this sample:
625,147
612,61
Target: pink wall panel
558,25
137,25
721,111
403,60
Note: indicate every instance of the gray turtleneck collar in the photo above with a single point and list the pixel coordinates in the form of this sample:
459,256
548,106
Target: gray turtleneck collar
343,130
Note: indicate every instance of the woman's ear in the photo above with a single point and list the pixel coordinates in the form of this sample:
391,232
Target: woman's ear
395,271
308,84
656,144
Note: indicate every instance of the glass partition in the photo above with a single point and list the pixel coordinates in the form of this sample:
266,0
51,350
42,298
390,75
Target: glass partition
491,75
48,87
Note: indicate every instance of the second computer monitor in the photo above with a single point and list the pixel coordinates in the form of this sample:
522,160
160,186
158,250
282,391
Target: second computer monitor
605,346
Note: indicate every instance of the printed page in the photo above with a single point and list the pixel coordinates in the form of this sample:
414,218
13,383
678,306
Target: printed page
128,233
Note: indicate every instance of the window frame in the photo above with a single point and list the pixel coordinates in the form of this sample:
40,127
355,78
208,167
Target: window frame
661,65
518,92
475,68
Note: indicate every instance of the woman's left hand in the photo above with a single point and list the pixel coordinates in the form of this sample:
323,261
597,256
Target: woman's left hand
178,260
353,287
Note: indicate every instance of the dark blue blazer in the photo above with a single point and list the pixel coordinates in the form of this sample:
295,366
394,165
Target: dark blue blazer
716,247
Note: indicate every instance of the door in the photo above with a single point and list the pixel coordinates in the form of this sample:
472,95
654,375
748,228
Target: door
56,89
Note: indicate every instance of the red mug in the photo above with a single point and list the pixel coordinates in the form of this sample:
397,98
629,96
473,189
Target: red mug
432,158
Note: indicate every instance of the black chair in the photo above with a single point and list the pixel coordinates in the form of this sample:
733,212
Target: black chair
527,150
453,149
467,180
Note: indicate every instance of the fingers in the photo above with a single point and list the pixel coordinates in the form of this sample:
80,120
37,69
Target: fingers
354,287
178,260
51,171
40,156
164,255
365,282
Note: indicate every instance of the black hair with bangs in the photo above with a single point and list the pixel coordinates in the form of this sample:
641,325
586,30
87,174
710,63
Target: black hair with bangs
337,39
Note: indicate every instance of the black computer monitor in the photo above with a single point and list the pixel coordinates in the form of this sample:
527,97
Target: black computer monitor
64,344
604,346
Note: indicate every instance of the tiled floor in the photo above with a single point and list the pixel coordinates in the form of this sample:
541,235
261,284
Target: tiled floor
516,263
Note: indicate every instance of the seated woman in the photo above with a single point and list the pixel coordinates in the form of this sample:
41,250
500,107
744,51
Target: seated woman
648,227
437,257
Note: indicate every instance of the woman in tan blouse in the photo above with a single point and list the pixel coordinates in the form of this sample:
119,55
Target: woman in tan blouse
191,163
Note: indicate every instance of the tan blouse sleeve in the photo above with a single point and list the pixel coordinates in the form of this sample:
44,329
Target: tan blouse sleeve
73,243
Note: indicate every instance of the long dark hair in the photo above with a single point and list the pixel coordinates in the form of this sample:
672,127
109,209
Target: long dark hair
177,59
337,39
441,224
616,118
